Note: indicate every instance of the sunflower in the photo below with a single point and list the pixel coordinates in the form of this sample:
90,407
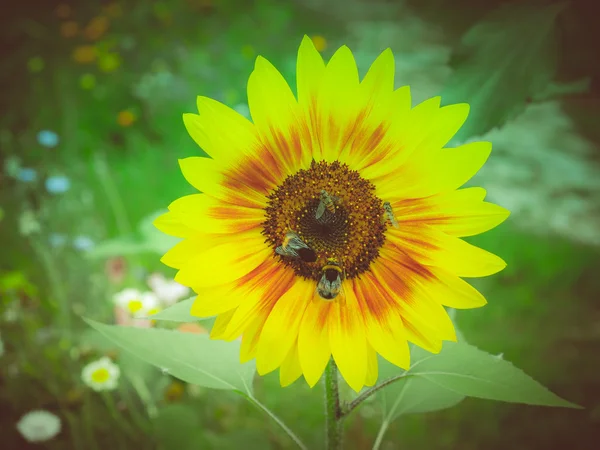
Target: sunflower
330,226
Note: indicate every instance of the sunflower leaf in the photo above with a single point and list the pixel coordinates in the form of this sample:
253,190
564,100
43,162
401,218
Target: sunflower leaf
411,395
506,59
179,312
466,370
193,358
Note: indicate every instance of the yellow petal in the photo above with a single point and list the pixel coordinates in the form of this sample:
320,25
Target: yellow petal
383,321
372,367
309,71
421,329
379,80
223,262
210,215
281,328
337,103
431,247
220,131
444,126
429,173
173,225
348,341
458,213
250,338
281,280
290,369
313,339
220,325
278,121
449,290
246,184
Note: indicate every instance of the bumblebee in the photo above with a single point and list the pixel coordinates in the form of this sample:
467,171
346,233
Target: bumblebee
389,215
327,202
330,284
295,247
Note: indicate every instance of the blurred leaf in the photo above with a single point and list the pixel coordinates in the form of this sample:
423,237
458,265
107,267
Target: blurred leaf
179,312
193,358
469,371
557,89
178,426
149,240
119,247
507,58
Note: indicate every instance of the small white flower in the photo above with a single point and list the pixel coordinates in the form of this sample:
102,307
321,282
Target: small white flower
136,303
167,291
39,426
101,375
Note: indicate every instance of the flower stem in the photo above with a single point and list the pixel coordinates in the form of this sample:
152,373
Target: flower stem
349,407
379,439
333,413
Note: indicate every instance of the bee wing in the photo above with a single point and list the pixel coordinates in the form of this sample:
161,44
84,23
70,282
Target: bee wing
320,210
296,242
286,251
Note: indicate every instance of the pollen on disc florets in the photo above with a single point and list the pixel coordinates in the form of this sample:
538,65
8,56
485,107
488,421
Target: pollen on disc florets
352,233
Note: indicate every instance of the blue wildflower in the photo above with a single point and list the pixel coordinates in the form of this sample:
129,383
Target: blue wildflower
26,175
48,138
83,243
58,184
57,240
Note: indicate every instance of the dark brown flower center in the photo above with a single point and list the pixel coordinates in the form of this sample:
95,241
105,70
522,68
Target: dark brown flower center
350,230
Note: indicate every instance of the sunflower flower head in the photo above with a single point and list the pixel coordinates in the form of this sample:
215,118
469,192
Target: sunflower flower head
330,225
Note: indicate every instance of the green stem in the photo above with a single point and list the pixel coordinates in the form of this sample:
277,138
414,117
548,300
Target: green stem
112,194
89,422
117,417
349,407
279,422
333,413
379,439
145,396
56,285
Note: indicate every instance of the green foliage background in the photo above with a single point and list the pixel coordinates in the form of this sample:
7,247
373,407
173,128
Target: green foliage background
507,61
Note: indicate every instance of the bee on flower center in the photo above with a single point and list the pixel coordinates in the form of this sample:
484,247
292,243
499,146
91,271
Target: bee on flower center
330,284
389,215
295,247
323,212
326,202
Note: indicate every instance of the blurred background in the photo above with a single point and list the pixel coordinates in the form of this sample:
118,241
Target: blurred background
90,133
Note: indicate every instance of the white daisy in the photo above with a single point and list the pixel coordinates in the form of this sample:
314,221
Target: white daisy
39,426
101,375
136,303
167,291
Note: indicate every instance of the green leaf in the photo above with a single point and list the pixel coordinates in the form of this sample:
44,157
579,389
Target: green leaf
466,370
193,358
410,395
179,312
507,58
